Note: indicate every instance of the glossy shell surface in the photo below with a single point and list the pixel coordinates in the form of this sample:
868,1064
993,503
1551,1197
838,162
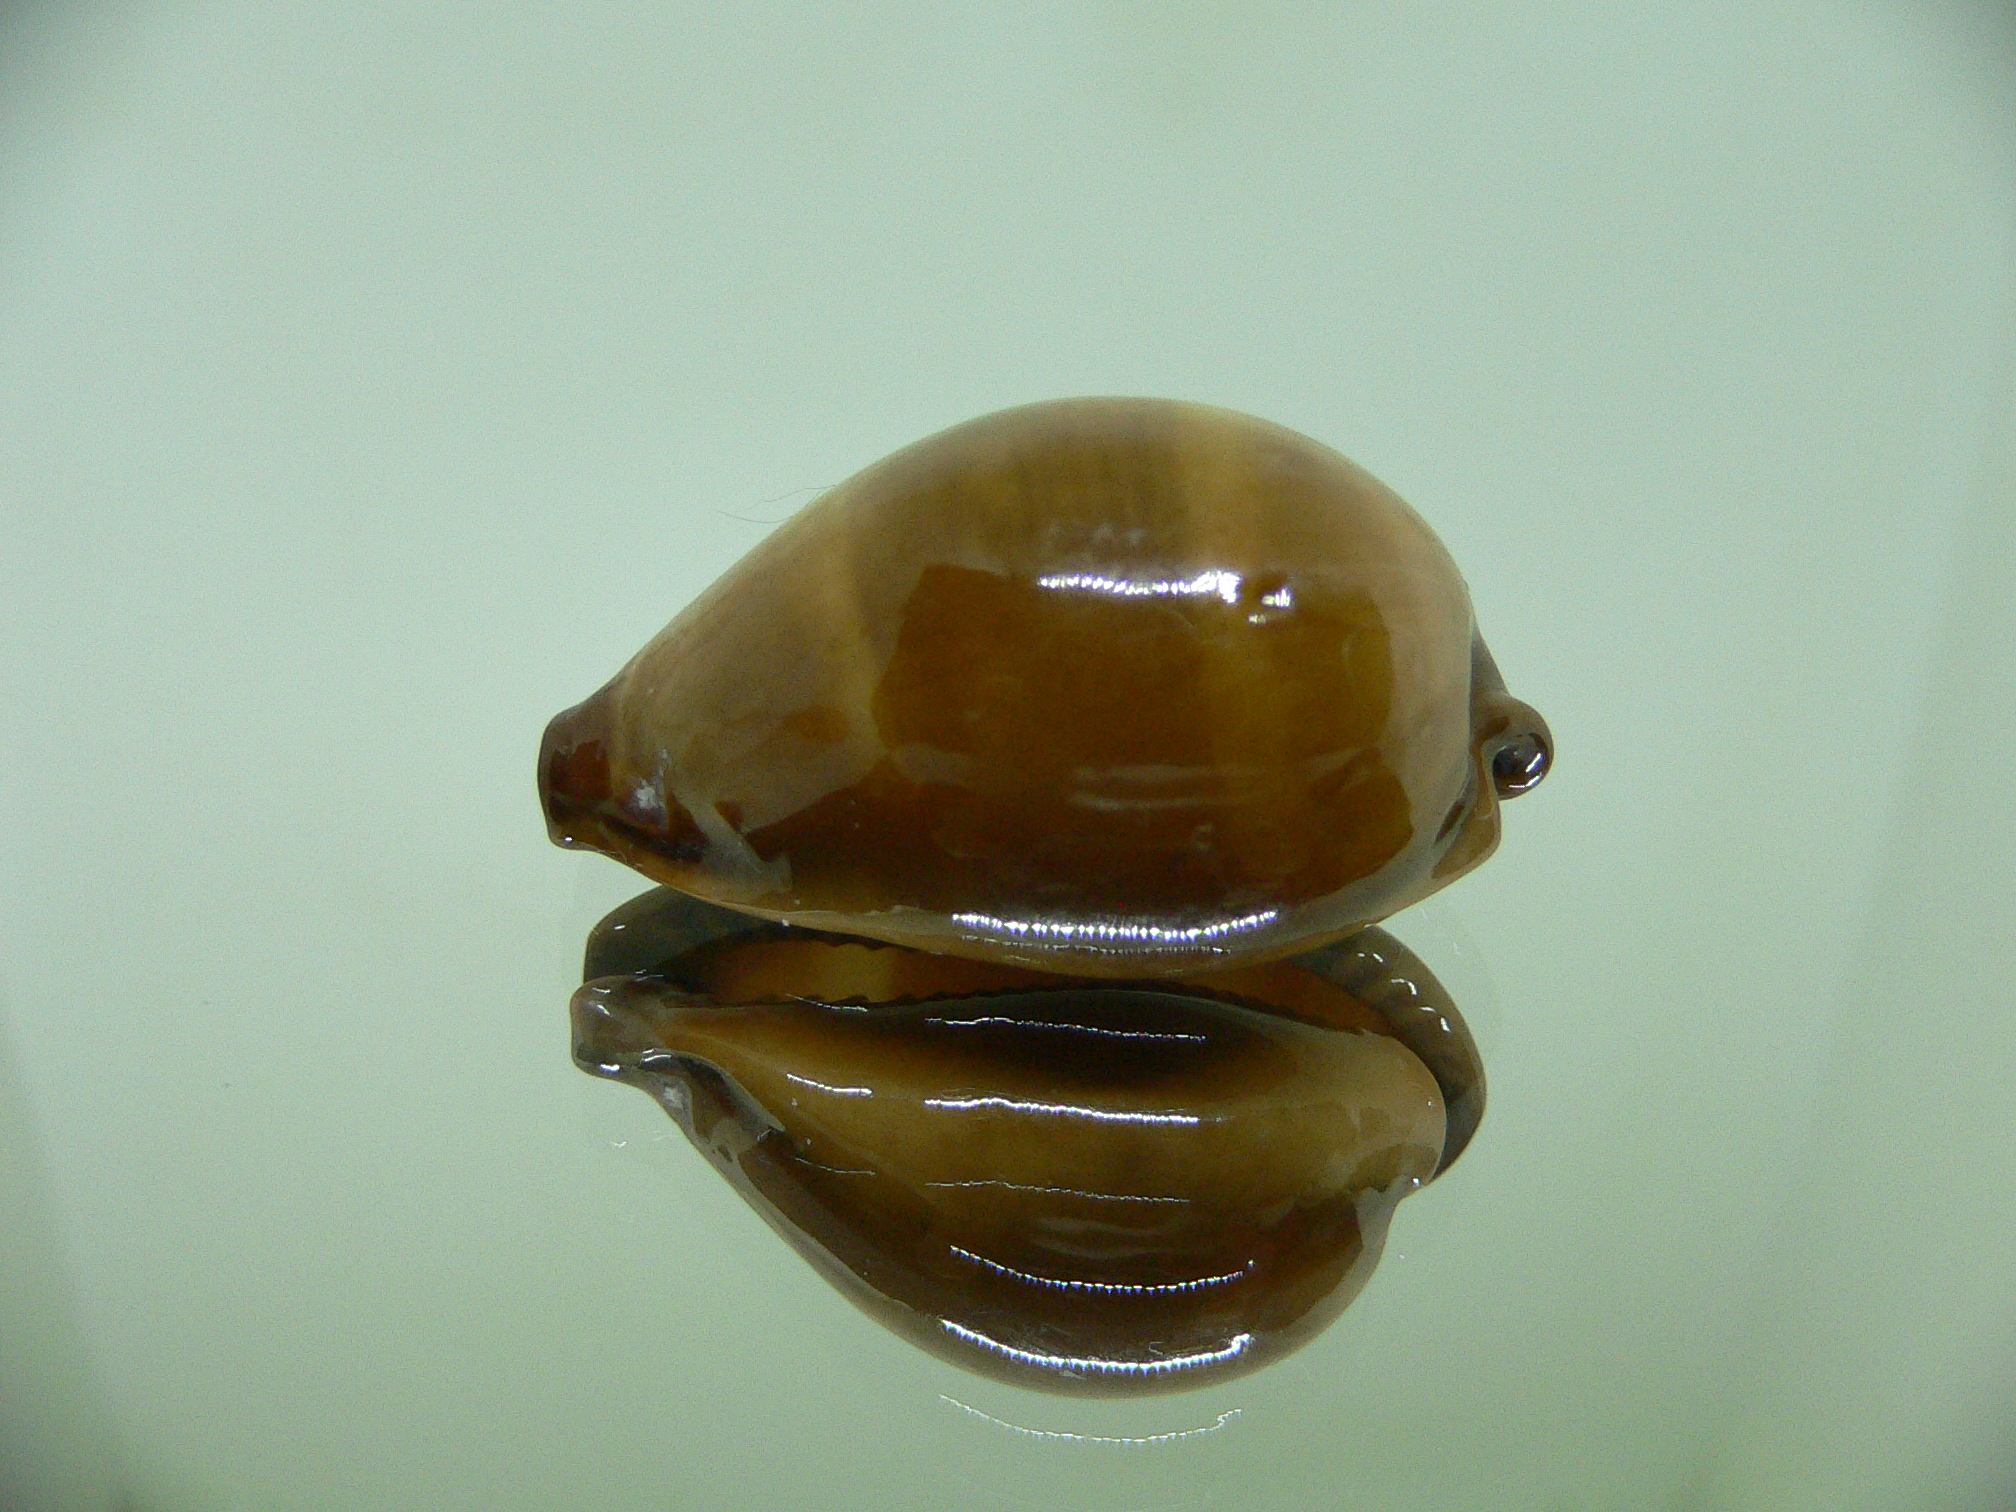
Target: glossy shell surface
1081,1186
1120,687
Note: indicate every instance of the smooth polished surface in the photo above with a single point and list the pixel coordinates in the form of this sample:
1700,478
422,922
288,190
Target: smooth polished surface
1073,1185
1123,686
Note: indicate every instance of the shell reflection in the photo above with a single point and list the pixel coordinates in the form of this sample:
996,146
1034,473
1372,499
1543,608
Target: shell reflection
1074,1184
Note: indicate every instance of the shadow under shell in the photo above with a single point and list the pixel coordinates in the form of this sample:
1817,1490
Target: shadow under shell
1077,1185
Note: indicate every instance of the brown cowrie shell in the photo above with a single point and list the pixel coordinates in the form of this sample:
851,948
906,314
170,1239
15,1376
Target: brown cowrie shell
1113,687
1025,805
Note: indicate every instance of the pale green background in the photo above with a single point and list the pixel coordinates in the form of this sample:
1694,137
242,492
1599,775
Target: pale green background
373,379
